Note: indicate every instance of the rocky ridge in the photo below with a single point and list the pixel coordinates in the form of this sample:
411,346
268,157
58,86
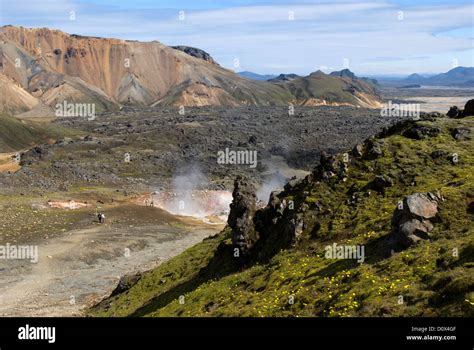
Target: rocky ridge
422,218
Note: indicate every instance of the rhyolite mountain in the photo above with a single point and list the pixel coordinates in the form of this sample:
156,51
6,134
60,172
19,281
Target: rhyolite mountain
44,66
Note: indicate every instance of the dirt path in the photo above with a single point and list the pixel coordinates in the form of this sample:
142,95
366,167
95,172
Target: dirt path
83,266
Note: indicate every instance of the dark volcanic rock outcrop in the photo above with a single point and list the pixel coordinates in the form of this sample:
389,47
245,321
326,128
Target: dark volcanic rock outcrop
260,234
380,183
419,132
455,112
242,211
469,108
33,155
125,283
461,133
195,52
280,225
374,149
332,166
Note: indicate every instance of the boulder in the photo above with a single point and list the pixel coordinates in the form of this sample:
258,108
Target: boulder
461,133
274,202
454,112
374,149
276,205
412,220
432,115
296,226
469,108
419,132
33,155
335,166
125,283
413,230
358,150
422,205
380,183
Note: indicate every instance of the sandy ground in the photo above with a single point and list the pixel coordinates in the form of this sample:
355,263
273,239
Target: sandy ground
83,266
7,163
439,104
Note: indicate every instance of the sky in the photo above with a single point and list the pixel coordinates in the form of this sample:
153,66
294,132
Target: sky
370,37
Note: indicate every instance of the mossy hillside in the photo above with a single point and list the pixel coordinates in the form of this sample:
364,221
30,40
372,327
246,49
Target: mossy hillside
432,278
17,134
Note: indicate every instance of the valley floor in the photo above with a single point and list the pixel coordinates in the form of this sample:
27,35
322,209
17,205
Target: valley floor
52,197
78,267
430,278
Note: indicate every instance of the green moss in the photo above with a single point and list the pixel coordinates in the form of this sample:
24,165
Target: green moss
17,134
432,278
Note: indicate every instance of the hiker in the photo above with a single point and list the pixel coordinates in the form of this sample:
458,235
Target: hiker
101,217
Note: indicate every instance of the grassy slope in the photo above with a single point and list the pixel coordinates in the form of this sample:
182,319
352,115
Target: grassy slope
17,134
329,88
431,280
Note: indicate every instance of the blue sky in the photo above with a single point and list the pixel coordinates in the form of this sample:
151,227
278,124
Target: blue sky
275,36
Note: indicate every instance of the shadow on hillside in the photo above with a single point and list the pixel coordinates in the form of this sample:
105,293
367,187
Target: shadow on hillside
375,251
221,265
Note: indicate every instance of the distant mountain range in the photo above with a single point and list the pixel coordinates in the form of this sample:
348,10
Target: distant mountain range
459,76
345,73
285,77
255,76
268,77
456,77
40,68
